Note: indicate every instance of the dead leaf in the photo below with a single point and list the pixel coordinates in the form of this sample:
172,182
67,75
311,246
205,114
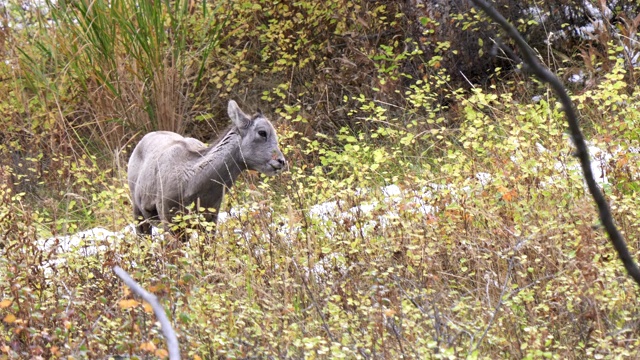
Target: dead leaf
619,164
147,308
5,303
9,319
127,304
148,346
162,353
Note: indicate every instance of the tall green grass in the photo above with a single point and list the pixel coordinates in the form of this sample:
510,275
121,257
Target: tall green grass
126,64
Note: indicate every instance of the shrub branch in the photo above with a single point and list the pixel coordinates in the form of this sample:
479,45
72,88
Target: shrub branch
534,66
167,329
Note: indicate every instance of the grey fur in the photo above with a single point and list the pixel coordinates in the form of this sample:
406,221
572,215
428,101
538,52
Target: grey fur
167,171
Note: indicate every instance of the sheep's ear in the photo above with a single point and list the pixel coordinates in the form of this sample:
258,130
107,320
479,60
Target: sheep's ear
239,118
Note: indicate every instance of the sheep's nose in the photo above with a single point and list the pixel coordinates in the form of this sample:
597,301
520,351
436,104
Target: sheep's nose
282,164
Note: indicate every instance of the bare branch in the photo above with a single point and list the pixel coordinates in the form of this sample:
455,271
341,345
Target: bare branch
499,304
582,152
167,329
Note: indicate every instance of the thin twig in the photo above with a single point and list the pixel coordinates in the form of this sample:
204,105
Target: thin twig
167,329
582,152
315,304
499,305
436,319
318,310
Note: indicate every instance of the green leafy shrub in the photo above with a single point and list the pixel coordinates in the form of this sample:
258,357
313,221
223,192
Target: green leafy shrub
418,219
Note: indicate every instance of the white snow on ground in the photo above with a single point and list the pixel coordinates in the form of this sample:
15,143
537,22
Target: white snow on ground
600,17
324,210
536,14
332,214
84,239
577,78
88,243
327,265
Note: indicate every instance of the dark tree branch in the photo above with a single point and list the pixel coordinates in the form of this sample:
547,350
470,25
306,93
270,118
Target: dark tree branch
167,329
582,153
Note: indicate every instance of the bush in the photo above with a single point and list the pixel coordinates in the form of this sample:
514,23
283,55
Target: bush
420,218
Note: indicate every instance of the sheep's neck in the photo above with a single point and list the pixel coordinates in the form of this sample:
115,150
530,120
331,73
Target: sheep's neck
216,171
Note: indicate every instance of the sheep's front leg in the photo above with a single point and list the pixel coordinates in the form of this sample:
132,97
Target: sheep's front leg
167,216
143,218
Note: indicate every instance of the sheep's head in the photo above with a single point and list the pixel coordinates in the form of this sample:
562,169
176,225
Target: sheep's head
259,141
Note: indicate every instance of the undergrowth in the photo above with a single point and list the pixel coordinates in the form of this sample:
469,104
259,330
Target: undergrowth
452,265
418,219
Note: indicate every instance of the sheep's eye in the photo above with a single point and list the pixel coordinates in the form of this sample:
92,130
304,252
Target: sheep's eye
262,133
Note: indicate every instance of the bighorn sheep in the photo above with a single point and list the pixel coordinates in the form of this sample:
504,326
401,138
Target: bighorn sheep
168,172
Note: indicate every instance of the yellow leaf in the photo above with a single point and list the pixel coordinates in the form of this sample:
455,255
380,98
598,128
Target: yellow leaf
10,318
127,304
148,346
162,353
5,303
196,357
389,312
147,307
